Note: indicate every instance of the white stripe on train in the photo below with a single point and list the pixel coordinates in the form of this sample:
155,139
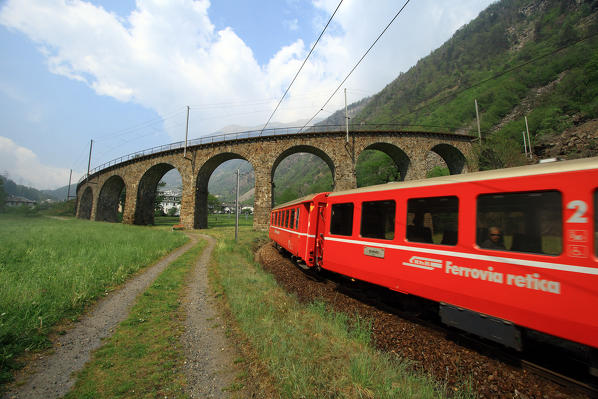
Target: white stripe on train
294,232
519,262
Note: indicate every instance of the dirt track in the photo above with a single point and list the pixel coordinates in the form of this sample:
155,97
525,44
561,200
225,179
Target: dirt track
209,357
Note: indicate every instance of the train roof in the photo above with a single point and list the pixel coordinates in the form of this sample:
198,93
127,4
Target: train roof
529,170
307,198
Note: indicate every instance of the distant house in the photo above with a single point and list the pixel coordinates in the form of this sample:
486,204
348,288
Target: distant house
13,200
171,199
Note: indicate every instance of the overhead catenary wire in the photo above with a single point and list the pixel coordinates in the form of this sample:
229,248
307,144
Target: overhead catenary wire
357,64
139,126
301,67
78,163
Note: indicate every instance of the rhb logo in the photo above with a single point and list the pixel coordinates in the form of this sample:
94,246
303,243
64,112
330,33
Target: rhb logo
424,263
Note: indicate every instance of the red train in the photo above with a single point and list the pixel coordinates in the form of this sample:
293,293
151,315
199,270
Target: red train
502,252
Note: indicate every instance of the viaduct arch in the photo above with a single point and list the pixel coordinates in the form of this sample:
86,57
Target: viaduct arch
98,195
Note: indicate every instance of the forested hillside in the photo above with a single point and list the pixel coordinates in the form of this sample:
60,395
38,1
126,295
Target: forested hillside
12,188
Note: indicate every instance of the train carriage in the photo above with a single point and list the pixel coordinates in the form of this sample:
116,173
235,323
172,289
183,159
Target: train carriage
293,226
498,250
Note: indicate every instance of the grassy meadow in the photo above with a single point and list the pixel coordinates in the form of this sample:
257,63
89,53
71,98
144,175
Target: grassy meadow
50,269
309,351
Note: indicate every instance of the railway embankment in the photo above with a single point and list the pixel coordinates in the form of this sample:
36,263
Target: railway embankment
401,332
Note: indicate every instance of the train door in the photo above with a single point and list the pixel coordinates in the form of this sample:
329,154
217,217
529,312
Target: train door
320,230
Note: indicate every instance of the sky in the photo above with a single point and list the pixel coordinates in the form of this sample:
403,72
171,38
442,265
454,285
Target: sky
122,72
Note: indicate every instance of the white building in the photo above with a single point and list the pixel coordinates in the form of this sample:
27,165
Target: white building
13,200
171,199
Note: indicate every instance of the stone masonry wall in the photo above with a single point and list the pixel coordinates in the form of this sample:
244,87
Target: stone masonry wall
411,151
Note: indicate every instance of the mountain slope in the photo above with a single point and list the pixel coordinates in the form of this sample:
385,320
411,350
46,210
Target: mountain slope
518,58
12,188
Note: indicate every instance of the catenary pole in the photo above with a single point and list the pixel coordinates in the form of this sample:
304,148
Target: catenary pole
68,191
89,161
524,144
529,142
237,209
186,133
477,116
346,116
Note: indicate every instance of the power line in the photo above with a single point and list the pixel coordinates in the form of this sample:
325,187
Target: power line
302,65
141,125
358,62
232,104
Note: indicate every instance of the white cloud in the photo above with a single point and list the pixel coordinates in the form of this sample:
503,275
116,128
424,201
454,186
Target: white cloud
168,54
24,167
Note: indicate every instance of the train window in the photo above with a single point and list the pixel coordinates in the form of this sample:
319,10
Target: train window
341,221
378,219
286,218
297,218
521,222
433,220
292,220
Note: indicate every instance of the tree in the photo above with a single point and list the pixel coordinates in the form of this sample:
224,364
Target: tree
159,198
2,195
438,171
499,152
121,200
213,203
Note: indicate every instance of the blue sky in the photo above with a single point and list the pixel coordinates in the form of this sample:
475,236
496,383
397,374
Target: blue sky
122,72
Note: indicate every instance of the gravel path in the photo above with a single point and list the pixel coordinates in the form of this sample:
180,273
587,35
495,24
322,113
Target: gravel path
210,358
51,376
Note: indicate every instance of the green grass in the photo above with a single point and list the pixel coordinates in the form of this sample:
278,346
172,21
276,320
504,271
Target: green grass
310,351
222,220
166,220
51,269
144,357
228,220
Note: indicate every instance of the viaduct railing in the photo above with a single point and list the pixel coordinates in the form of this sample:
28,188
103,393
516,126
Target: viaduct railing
217,138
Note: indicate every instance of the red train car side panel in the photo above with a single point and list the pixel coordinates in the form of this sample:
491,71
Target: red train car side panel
547,281
293,226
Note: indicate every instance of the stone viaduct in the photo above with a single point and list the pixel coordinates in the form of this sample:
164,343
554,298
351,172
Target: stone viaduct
98,195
